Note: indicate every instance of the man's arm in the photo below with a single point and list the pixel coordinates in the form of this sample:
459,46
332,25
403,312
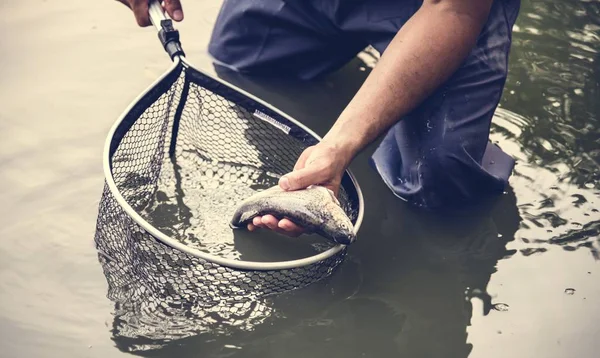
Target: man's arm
426,51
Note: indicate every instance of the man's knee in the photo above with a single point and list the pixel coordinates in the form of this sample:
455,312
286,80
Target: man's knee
451,176
241,28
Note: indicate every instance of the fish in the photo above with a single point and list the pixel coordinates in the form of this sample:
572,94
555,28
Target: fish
314,208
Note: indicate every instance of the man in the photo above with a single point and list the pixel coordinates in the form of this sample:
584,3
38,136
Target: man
434,90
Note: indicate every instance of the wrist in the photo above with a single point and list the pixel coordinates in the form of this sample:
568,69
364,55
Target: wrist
343,145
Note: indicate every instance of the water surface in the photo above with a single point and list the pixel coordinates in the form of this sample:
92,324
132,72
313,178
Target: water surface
516,277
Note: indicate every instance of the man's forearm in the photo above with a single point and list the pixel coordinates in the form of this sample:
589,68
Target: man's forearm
423,54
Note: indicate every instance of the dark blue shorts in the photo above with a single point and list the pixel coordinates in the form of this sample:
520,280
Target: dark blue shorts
437,156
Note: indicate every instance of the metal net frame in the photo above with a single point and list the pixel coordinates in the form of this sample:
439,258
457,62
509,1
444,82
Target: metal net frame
230,137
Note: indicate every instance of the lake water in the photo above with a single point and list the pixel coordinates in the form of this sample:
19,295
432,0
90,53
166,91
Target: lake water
516,278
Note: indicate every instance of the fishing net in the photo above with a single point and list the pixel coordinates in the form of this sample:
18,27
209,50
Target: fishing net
178,162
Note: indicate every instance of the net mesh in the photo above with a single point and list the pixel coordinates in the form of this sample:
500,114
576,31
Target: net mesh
223,152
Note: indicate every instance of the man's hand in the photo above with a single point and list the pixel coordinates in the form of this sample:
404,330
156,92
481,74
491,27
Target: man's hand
425,52
140,10
323,164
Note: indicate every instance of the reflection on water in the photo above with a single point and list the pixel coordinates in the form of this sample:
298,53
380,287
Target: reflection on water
162,294
554,85
553,208
380,301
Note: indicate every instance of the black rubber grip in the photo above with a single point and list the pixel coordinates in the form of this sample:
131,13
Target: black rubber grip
169,37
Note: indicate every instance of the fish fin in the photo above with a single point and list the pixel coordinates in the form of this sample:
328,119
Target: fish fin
331,193
335,199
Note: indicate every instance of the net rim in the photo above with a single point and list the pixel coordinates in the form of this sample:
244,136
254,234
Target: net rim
237,264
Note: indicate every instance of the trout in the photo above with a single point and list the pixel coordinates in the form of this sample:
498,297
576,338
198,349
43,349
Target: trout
315,208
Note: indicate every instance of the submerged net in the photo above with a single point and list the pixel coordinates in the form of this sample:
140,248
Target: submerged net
182,158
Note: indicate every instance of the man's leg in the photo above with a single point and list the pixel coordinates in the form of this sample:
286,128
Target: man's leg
281,38
439,155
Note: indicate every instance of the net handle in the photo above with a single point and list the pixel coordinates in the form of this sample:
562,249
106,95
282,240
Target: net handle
168,36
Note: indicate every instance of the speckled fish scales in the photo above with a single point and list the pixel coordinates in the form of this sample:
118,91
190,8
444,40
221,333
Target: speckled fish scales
314,208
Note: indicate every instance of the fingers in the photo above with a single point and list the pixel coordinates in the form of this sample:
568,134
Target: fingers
283,226
174,9
304,177
140,10
290,227
270,222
